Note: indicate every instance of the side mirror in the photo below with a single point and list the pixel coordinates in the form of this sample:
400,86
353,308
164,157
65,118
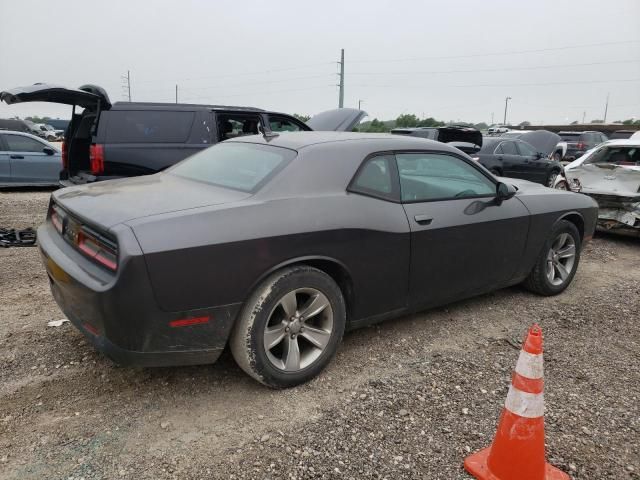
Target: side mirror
48,151
504,192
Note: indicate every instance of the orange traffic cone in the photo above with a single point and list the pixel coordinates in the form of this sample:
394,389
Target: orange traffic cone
517,452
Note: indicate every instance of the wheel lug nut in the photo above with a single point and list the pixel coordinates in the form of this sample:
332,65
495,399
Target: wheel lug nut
293,335
286,329
302,329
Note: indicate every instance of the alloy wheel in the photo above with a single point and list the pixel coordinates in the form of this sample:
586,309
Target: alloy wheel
298,330
562,186
552,179
561,259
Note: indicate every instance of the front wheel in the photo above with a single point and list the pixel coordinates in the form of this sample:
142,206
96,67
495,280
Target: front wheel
557,264
551,179
290,327
562,185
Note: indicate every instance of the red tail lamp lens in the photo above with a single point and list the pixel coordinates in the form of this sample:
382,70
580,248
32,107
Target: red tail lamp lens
97,250
96,158
65,156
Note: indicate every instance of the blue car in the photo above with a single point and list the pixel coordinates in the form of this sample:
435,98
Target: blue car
26,160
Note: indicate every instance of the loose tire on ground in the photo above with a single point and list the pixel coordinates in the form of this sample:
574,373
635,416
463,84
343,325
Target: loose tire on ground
280,303
539,280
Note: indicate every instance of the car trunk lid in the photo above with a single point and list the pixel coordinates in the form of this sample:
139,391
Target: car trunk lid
106,204
86,96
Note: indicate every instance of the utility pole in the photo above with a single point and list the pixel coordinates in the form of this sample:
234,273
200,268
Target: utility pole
359,103
127,85
506,103
341,98
584,114
176,93
491,118
606,108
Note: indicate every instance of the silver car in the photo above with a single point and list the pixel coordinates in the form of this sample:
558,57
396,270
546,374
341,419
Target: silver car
26,160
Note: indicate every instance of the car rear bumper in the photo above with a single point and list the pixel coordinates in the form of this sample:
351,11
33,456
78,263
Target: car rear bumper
82,178
119,315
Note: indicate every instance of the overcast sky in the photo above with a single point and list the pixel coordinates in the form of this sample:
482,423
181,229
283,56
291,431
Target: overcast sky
450,60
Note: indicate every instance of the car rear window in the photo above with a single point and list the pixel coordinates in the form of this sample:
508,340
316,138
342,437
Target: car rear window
239,166
569,137
149,126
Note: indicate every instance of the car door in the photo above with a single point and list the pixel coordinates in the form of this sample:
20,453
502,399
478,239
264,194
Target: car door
512,162
5,163
533,167
463,242
29,161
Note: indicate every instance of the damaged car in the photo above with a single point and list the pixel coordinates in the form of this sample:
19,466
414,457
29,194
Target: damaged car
610,174
274,245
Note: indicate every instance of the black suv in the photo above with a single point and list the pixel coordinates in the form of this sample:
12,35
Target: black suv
580,142
105,141
467,139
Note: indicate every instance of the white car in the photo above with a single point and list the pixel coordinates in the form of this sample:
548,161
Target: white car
610,174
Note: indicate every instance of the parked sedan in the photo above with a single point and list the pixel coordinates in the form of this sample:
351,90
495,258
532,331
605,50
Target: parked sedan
277,244
26,160
516,158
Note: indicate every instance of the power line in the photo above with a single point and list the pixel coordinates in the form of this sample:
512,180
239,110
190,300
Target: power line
492,54
475,70
538,84
229,75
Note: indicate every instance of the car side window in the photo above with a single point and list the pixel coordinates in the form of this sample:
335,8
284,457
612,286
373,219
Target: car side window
526,150
376,178
18,143
231,126
434,176
509,148
499,150
282,124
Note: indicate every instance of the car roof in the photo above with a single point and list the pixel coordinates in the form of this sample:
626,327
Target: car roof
628,142
24,134
180,106
299,140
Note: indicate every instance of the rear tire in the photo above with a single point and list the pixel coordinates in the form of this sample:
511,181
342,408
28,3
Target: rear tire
558,261
290,327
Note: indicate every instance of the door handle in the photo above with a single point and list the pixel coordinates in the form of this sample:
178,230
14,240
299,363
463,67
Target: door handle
16,156
423,219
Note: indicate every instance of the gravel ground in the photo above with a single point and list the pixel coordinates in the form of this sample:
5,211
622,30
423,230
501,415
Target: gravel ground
409,398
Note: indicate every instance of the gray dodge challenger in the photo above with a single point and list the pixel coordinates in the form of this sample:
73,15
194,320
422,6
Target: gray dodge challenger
276,244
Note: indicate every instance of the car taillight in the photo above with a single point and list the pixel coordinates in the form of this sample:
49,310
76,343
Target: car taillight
96,158
99,250
65,156
57,219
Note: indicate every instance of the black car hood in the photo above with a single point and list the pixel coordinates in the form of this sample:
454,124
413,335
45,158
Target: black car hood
337,120
106,204
543,141
87,96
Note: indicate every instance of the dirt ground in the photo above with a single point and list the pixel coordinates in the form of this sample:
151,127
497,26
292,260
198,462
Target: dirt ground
409,398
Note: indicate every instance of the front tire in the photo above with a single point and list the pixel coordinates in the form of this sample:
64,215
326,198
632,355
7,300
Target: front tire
562,185
290,327
558,262
551,179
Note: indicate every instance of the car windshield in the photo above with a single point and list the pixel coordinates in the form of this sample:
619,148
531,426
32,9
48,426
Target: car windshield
239,166
617,155
489,145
